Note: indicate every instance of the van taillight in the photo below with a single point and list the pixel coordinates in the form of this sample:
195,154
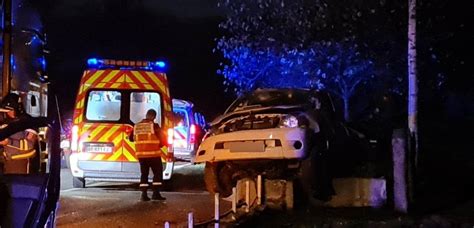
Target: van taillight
192,130
170,136
74,137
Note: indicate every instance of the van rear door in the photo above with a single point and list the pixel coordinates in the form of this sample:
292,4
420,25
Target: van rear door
181,130
102,133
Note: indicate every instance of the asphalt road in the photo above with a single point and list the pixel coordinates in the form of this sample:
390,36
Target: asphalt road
117,204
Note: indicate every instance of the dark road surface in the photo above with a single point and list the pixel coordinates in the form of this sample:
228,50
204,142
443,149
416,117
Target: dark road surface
117,205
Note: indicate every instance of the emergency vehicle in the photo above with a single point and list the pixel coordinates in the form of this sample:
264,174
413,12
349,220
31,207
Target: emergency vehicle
188,131
113,96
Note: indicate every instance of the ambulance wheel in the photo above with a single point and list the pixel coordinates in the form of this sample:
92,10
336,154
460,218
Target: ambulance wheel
78,182
68,163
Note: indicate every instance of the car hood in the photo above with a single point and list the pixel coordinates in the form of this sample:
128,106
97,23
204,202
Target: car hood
258,110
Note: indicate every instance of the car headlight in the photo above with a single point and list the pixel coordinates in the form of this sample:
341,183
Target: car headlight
289,121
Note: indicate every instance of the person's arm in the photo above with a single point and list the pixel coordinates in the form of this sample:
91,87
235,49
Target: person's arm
4,142
160,134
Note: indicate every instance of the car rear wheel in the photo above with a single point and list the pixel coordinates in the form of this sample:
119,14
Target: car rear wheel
78,182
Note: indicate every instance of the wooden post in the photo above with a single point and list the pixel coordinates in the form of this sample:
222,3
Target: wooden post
400,171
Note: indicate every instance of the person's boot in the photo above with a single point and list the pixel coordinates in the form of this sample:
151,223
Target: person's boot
144,196
157,196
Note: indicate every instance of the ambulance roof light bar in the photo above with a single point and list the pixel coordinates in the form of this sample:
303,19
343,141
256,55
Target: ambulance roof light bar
125,64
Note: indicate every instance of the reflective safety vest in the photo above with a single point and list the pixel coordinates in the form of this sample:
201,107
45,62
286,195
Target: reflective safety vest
19,147
147,142
18,151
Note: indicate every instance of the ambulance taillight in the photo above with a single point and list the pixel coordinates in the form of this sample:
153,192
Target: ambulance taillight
74,137
192,131
170,136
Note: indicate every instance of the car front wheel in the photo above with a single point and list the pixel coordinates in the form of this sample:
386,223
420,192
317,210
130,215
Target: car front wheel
211,177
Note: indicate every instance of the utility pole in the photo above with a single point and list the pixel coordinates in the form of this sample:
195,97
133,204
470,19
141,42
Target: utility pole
7,40
412,76
413,142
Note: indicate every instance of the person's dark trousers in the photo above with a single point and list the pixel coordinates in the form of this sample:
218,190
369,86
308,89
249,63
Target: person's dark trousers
157,168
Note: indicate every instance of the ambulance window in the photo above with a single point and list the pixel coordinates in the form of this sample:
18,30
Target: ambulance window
181,118
141,102
103,105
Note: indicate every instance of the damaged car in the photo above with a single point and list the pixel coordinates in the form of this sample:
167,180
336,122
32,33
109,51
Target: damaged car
266,132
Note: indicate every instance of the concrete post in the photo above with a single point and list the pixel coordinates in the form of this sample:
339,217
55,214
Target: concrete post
400,171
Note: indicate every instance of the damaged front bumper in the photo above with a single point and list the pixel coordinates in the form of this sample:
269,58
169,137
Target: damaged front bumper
274,143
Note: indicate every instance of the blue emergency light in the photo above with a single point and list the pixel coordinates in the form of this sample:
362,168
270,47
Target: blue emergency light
160,64
92,62
126,64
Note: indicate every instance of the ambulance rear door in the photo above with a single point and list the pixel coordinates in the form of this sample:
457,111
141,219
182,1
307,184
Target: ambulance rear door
103,132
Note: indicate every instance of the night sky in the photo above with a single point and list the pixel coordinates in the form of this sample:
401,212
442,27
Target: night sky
179,32
183,33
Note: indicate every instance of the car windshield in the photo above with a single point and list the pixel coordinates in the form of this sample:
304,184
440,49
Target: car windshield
268,98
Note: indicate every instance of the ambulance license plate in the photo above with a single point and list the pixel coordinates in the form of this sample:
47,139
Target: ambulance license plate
98,148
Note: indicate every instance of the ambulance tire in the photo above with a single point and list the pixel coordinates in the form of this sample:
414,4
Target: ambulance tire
78,182
68,163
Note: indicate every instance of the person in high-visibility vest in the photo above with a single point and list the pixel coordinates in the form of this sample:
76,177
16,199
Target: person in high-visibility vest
19,148
149,139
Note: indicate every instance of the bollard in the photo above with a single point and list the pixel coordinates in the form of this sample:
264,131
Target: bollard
190,220
234,199
259,189
247,196
167,225
216,209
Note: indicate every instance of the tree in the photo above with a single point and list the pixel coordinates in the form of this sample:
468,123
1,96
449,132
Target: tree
341,69
273,43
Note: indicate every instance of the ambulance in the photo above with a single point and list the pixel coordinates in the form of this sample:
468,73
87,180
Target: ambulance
112,97
188,131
